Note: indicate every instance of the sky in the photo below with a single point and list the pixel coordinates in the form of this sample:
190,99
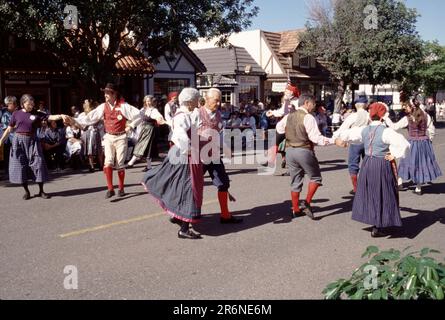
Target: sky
280,15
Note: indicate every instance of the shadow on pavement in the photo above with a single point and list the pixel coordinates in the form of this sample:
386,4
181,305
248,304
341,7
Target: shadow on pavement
413,226
279,213
76,192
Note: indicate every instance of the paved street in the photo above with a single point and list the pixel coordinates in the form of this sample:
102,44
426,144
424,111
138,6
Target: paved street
127,248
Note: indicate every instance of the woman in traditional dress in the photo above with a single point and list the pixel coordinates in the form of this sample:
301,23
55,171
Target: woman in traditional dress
420,166
178,183
377,199
26,159
147,137
92,146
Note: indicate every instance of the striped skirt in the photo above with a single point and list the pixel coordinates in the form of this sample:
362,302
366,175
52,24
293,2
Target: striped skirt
420,166
92,142
376,202
26,160
178,189
145,142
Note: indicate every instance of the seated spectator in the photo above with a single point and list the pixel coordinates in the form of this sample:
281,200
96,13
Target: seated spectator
234,121
74,145
53,142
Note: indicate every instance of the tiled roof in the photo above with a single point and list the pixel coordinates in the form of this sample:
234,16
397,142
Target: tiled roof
284,45
227,60
290,40
134,63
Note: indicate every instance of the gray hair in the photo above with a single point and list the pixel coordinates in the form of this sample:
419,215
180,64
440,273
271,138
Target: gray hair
213,91
305,97
188,95
10,99
148,98
26,97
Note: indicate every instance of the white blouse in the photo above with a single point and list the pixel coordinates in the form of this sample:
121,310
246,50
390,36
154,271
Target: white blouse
398,145
404,123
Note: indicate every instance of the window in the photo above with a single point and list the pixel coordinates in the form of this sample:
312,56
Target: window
165,86
226,96
305,62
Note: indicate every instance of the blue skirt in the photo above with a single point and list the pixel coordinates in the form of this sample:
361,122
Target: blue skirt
26,160
376,202
420,166
177,188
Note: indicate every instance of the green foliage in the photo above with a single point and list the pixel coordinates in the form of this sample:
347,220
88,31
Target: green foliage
398,276
355,53
157,26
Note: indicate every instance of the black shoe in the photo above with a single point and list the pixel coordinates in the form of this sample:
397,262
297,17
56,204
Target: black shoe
110,193
402,188
145,169
91,169
378,233
352,193
44,195
286,174
189,235
174,220
26,196
121,193
231,220
283,164
296,214
308,210
129,166
264,164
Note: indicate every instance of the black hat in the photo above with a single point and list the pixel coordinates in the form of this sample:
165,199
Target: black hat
111,86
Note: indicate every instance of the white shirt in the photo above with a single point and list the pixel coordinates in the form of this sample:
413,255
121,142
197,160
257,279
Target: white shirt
404,122
181,124
128,111
357,119
311,125
398,145
285,108
169,114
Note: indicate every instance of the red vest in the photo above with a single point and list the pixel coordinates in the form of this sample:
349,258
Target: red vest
206,124
114,121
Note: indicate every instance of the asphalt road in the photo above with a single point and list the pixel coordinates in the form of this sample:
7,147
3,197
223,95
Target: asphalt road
127,248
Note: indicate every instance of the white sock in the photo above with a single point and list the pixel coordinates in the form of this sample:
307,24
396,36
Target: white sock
133,160
400,181
419,188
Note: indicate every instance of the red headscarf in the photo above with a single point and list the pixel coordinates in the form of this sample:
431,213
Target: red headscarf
172,95
377,109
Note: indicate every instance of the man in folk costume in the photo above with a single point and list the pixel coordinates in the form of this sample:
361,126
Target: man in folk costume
119,118
302,134
290,104
209,123
356,150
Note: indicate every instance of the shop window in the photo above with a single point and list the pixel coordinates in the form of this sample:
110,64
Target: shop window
165,86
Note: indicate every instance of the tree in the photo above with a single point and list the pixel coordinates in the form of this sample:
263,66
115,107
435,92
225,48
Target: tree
431,73
109,29
361,40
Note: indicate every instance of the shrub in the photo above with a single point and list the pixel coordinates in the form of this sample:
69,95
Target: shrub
393,275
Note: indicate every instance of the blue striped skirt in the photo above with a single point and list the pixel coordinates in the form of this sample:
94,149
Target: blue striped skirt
376,202
420,166
26,160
